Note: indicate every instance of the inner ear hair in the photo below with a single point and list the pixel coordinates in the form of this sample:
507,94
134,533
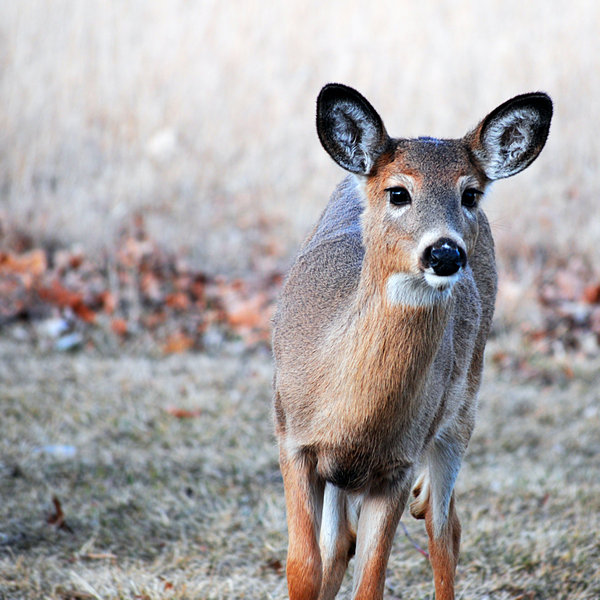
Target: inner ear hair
511,137
350,129
514,135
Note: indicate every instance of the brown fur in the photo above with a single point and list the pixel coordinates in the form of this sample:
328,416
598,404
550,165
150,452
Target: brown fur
304,560
368,390
443,552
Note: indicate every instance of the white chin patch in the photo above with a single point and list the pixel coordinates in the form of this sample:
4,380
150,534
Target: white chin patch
405,289
442,283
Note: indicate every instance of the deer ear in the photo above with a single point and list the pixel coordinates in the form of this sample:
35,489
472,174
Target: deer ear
511,137
350,129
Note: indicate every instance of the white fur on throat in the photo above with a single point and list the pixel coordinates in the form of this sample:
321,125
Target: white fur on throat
442,283
404,289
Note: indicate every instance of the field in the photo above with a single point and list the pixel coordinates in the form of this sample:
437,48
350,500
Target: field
130,471
157,506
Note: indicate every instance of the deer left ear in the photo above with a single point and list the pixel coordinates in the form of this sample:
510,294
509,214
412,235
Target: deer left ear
511,137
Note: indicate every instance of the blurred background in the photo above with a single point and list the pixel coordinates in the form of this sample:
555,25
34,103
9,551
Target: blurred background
200,115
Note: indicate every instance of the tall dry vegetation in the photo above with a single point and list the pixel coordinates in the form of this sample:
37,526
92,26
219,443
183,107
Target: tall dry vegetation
199,115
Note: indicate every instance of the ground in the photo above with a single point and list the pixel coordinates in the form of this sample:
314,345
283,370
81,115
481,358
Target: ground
159,167
165,470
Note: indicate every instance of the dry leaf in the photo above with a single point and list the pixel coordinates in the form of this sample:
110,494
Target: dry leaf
591,294
249,313
33,263
151,287
182,413
177,343
274,564
119,326
60,296
85,313
66,260
178,301
153,320
108,301
58,518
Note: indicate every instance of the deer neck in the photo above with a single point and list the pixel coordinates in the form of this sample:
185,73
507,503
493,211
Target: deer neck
393,343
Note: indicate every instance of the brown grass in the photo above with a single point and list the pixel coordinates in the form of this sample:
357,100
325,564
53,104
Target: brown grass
199,116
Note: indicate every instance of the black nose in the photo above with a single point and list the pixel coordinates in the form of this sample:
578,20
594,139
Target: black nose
445,257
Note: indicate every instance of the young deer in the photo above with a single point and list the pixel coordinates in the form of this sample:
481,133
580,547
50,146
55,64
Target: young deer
379,339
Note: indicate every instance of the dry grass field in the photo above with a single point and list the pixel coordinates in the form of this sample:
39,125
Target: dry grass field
199,117
157,506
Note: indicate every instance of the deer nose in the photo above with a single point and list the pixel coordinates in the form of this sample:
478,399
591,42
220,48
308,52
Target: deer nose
445,257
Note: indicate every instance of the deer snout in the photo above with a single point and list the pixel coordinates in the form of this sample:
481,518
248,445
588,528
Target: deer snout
445,257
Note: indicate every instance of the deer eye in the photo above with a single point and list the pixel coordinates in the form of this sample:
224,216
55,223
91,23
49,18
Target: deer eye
470,197
399,196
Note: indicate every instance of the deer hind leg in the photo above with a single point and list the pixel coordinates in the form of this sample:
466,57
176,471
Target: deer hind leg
377,523
434,502
303,497
337,540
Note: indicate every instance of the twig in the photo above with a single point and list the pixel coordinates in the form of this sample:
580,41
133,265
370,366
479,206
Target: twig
99,556
412,541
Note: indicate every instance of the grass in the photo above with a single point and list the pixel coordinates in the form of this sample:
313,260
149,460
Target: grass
161,497
165,507
199,117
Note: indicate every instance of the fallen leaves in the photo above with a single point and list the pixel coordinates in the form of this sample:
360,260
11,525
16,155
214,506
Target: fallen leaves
29,264
61,297
136,289
569,300
248,311
119,327
566,293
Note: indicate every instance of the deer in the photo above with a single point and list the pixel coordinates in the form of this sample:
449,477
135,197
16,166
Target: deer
379,337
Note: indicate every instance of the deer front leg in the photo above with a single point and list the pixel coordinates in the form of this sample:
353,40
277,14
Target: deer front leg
303,498
377,523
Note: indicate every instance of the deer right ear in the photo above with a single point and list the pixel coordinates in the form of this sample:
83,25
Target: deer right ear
511,137
350,129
